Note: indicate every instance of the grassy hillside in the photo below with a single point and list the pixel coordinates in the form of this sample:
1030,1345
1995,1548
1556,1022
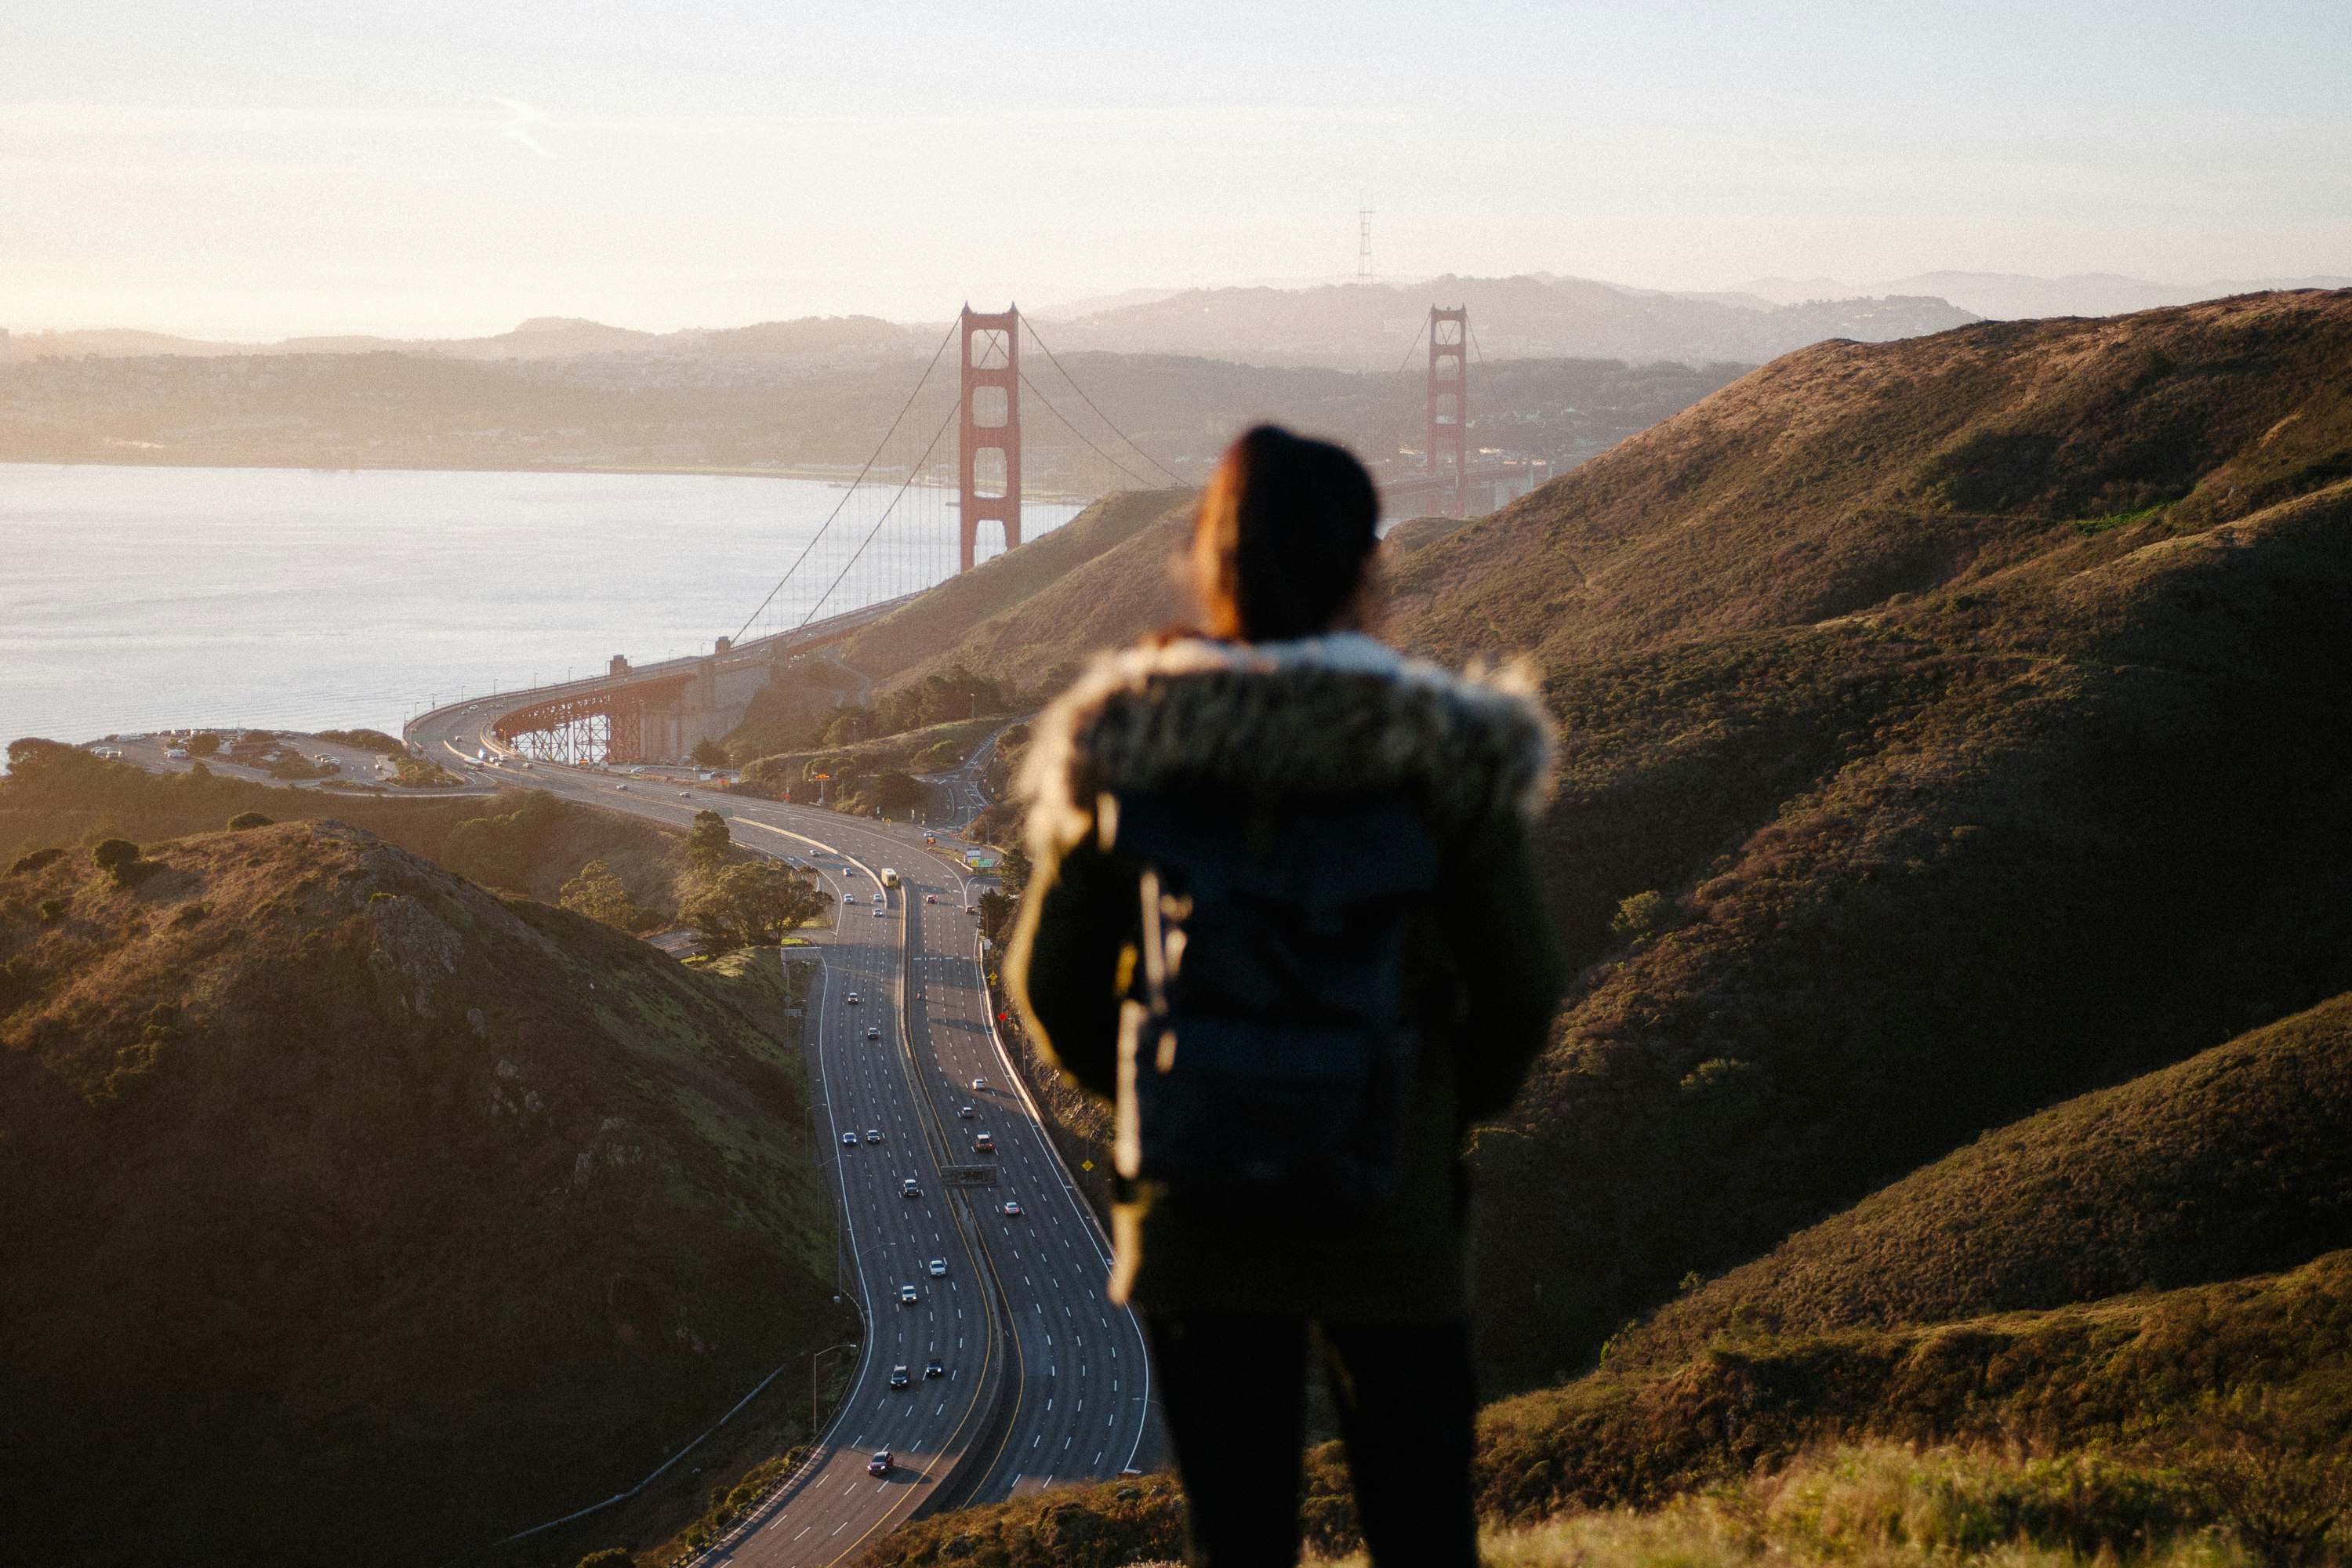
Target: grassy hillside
2146,1417
521,842
357,1215
929,631
2244,1386
2236,1161
1111,598
1948,726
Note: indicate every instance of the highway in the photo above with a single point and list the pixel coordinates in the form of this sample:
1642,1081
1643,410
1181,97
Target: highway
1041,1380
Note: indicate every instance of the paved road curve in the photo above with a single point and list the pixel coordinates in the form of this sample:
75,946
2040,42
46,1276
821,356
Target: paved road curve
1041,1380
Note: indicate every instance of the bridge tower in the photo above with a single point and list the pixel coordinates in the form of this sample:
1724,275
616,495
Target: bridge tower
1449,394
988,430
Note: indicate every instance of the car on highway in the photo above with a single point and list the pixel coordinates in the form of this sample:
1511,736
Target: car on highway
933,1368
873,1135
874,1034
979,1085
908,1295
983,1143
620,786
909,1189
939,1268
1012,1207
972,909
931,898
898,1378
965,1111
853,998
849,898
849,1139
686,795
880,914
881,1463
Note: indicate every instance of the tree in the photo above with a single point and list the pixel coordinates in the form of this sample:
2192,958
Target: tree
709,754
599,894
244,820
755,904
116,856
898,792
205,745
707,842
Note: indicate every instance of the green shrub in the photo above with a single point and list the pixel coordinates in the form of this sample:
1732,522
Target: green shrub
611,1557
597,893
1639,916
246,819
36,861
53,909
116,858
206,744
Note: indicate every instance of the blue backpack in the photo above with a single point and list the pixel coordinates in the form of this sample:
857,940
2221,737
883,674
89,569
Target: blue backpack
1266,1062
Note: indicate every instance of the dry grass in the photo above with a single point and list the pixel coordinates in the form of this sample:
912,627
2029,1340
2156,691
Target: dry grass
1886,1507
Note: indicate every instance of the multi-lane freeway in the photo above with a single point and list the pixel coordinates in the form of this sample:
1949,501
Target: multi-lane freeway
960,1201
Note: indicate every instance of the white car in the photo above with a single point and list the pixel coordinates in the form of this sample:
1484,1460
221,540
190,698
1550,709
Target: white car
853,999
620,786
849,898
908,1295
979,1084
880,914
939,1268
874,1034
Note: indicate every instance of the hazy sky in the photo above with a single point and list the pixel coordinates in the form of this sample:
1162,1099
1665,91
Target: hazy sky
451,166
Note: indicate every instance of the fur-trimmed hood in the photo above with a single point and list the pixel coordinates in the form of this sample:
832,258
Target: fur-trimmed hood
1321,717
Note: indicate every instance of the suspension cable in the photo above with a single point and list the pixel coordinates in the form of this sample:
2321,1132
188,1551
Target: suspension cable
936,355
887,511
1082,436
1027,322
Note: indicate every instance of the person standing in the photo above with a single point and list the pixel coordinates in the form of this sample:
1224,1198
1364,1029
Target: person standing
1284,915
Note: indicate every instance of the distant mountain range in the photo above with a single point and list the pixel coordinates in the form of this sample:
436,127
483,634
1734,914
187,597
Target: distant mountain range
819,340
1347,325
2012,296
1372,326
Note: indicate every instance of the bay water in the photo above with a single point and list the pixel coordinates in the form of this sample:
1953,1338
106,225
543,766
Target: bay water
134,599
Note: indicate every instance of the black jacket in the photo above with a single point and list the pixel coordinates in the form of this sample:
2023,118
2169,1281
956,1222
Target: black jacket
1333,719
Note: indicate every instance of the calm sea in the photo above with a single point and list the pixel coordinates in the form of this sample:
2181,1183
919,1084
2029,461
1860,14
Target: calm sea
141,598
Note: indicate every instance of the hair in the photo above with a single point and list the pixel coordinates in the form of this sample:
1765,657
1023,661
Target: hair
1284,543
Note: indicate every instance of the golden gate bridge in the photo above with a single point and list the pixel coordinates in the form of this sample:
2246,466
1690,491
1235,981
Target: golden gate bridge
923,508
